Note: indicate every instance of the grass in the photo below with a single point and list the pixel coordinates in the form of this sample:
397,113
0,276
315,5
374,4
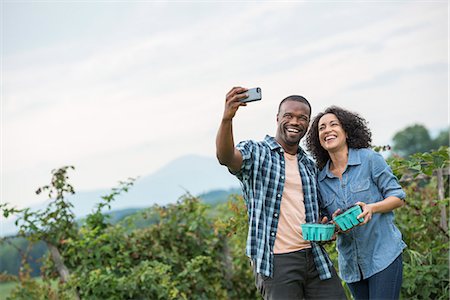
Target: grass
6,288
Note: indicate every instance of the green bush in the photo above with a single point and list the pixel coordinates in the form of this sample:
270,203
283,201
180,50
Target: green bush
192,251
425,272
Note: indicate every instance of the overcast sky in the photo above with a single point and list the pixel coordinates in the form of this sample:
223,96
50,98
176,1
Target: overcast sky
120,88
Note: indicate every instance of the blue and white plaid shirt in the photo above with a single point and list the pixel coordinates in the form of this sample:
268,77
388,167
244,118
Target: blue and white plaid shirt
262,179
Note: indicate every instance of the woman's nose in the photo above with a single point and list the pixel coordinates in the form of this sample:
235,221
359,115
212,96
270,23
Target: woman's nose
326,129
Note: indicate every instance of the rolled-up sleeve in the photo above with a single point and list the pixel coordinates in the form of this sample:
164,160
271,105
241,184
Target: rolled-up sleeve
385,179
246,149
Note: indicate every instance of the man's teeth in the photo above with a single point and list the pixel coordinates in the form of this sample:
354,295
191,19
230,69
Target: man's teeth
293,130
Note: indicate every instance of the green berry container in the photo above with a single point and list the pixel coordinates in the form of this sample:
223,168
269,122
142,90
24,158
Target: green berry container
348,219
317,232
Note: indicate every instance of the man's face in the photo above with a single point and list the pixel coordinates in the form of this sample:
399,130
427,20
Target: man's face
293,122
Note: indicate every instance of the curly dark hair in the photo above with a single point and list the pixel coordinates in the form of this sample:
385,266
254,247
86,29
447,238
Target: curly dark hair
359,135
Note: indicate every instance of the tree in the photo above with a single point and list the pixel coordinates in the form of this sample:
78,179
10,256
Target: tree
411,140
416,139
442,139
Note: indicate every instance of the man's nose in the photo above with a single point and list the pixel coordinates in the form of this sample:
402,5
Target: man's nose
295,120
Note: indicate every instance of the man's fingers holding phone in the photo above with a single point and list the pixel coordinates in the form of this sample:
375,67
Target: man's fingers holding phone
244,95
233,101
251,95
236,93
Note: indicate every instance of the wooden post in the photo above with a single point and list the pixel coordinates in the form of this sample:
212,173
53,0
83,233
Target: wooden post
441,195
227,263
60,266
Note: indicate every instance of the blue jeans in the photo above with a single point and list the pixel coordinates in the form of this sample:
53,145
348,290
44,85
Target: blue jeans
383,285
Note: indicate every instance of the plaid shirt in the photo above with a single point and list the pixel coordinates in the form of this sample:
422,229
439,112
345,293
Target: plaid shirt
262,179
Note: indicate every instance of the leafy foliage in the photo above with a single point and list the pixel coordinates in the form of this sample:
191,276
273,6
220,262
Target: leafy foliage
189,250
426,272
179,257
420,163
14,250
57,221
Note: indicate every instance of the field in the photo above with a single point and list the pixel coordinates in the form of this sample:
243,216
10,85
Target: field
5,289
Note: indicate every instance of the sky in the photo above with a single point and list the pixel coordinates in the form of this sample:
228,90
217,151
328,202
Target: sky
118,89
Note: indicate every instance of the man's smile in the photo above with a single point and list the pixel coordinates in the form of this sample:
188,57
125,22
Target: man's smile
294,130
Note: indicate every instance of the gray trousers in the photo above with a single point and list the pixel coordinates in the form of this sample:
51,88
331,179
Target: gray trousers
296,277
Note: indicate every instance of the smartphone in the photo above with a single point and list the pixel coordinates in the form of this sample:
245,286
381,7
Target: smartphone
253,95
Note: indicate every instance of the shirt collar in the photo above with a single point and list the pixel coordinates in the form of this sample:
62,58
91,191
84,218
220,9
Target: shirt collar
353,157
273,145
353,160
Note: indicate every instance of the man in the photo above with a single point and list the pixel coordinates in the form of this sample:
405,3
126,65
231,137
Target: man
280,190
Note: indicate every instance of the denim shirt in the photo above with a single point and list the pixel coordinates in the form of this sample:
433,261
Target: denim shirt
368,249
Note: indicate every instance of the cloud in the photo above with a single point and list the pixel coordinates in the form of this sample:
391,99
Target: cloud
147,84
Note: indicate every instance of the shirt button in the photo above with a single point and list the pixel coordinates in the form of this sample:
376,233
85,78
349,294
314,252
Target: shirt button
272,233
278,195
275,215
282,162
282,177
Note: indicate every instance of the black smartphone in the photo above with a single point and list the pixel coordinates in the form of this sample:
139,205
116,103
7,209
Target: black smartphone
253,95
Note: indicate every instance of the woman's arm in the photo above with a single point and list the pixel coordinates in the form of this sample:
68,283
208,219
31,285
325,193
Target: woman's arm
384,206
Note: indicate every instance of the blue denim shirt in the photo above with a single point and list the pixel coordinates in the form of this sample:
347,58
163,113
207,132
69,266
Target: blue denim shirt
374,246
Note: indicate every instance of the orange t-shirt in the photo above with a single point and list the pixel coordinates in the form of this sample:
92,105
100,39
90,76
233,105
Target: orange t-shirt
292,211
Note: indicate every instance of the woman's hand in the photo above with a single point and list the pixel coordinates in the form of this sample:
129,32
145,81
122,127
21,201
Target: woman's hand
367,212
387,205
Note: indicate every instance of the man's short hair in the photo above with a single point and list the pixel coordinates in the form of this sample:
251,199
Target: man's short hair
295,98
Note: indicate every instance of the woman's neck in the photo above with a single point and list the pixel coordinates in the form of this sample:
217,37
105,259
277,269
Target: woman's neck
339,160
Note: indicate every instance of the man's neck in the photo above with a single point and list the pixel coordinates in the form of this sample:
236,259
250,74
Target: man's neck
288,148
290,151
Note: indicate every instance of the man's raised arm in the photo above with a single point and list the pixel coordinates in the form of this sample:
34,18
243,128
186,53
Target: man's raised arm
226,152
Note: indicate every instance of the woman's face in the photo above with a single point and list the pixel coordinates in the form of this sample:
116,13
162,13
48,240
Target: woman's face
332,136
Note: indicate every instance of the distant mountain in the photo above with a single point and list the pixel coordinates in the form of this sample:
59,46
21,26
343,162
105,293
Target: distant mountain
191,173
218,196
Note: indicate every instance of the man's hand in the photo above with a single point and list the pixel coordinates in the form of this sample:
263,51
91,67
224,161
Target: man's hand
226,152
333,238
324,220
334,215
232,102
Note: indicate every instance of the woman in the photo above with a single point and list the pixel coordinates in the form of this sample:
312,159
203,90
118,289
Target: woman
370,256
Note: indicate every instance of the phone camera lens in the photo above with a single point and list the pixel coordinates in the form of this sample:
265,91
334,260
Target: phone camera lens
258,90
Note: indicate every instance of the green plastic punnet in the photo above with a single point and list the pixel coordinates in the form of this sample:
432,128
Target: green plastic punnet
348,219
317,232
